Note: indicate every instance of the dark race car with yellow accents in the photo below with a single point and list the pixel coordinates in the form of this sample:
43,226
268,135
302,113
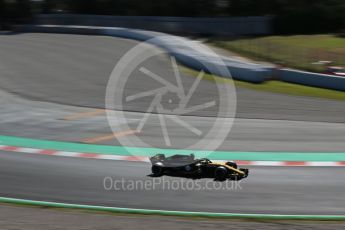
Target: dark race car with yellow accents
188,166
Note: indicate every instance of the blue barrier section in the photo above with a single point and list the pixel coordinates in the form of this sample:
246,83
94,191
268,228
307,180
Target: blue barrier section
253,74
236,71
312,79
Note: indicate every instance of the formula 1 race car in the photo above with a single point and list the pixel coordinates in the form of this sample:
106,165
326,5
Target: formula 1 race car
188,166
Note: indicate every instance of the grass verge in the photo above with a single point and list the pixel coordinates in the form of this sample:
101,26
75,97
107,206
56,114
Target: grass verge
299,51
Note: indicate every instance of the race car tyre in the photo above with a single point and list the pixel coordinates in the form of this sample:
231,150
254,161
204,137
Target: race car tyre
220,173
157,170
231,164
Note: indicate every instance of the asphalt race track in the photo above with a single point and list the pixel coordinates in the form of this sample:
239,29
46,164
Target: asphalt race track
41,120
281,190
58,75
74,70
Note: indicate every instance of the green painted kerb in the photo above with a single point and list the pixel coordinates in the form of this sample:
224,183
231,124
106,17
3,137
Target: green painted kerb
170,213
136,151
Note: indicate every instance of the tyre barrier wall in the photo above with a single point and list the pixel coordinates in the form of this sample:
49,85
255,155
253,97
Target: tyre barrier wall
312,79
175,45
216,26
58,29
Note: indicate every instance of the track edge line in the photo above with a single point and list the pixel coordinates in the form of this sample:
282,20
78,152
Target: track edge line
169,213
